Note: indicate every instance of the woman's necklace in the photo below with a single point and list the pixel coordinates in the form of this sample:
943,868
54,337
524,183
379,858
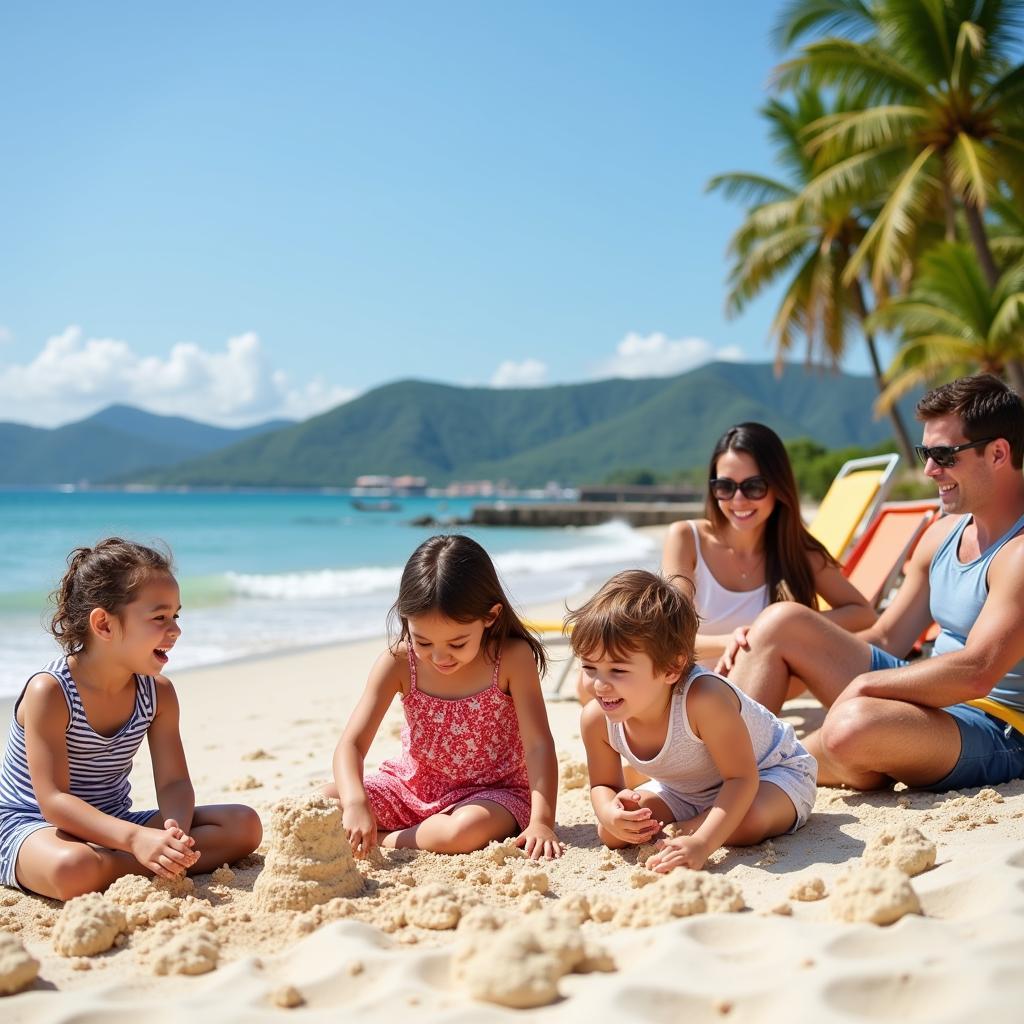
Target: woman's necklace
751,567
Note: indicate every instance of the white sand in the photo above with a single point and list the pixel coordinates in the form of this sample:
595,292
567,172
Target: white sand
417,933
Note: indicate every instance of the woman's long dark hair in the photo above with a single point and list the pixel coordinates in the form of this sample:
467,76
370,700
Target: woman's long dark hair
451,574
787,544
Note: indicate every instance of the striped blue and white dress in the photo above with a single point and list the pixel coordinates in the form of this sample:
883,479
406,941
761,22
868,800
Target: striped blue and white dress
98,767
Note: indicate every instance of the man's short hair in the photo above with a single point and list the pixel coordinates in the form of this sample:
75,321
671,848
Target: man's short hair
987,407
637,611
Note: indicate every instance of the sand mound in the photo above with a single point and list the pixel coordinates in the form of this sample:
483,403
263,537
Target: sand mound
17,968
680,893
519,964
808,890
905,849
88,925
878,895
310,861
191,952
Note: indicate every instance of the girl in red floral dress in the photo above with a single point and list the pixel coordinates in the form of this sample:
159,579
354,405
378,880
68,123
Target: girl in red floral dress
478,762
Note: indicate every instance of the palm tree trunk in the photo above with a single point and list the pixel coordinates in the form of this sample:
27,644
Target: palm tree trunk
1015,372
979,240
898,426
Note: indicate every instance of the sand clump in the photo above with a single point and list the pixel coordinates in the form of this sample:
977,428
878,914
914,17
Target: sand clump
88,925
875,895
310,861
905,849
519,964
18,969
194,951
808,890
680,893
145,901
572,775
436,907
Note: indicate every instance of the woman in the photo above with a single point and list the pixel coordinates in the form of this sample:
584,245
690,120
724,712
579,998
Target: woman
752,549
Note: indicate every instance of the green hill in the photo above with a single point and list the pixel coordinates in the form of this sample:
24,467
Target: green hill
572,433
115,442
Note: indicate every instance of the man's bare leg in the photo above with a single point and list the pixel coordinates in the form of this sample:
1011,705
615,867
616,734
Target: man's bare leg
789,639
866,742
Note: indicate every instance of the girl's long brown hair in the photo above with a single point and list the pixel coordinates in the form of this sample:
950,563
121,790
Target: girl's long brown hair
452,574
787,544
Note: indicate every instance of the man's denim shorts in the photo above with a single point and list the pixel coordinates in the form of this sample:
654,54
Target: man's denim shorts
991,751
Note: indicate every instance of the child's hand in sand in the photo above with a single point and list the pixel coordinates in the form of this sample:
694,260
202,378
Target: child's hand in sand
179,833
680,852
160,851
628,821
360,827
540,841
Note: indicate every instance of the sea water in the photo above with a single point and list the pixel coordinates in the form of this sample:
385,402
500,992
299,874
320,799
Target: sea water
262,572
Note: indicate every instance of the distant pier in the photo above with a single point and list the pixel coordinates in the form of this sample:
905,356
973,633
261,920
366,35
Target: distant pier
584,513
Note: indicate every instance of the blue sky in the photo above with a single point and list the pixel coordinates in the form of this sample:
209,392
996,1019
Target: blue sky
233,211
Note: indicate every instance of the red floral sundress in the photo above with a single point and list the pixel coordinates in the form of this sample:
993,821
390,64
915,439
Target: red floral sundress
453,752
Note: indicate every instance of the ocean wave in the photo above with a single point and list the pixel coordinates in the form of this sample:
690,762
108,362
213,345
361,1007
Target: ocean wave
607,544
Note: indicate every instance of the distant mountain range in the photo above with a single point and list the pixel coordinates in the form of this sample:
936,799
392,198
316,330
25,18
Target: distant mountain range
572,433
117,442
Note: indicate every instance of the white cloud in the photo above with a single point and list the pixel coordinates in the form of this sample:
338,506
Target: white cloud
657,355
74,376
530,373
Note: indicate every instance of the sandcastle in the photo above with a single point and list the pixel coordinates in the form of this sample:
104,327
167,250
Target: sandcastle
310,861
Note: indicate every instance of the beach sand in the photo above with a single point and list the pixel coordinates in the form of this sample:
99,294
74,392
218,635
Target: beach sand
761,936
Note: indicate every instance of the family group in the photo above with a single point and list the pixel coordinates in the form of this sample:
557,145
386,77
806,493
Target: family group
683,676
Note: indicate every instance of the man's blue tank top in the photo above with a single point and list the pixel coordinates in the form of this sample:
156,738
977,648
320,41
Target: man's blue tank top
958,591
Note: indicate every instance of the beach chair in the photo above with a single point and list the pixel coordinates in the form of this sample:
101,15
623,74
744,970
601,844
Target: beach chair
550,632
877,560
854,496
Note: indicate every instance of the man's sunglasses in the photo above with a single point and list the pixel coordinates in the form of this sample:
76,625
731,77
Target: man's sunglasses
945,456
724,487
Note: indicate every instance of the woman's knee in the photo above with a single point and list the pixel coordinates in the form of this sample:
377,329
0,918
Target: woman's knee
779,620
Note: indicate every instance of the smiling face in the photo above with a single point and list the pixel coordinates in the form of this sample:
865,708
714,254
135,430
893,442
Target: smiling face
961,485
147,628
741,512
628,686
443,643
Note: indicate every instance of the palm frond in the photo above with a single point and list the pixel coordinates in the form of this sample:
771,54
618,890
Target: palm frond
895,223
843,63
913,316
765,263
971,170
800,18
863,129
749,188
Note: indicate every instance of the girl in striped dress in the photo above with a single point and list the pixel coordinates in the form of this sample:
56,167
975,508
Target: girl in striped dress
66,822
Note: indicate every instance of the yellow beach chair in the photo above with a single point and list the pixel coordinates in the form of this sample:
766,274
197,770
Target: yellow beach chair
550,632
856,493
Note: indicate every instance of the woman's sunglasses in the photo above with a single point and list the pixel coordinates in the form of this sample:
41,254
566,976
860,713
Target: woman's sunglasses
945,455
724,487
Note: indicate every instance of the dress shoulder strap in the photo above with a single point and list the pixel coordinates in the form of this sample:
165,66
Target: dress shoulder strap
412,667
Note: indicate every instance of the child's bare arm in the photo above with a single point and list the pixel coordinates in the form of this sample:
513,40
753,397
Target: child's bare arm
713,711
382,686
45,714
538,839
614,805
174,793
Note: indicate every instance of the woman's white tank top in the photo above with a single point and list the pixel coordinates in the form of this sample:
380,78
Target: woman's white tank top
720,610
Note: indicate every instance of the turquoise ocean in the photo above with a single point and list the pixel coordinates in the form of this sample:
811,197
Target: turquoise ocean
263,572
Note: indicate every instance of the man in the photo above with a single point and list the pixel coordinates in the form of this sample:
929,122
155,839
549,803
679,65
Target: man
890,719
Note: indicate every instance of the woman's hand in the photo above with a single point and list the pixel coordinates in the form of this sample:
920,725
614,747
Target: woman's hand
737,642
628,821
680,852
360,827
540,841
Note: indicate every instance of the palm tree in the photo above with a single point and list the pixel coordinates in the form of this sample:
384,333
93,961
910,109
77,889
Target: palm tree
784,236
941,115
952,323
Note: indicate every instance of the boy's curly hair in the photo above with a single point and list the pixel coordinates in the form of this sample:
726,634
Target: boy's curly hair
637,611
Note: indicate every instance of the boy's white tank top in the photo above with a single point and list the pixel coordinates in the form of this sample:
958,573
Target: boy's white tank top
683,764
720,610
